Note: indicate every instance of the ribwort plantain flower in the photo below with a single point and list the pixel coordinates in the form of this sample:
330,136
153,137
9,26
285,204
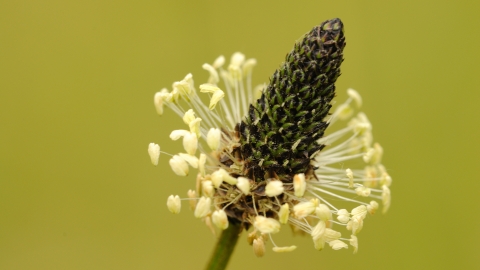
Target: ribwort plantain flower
262,156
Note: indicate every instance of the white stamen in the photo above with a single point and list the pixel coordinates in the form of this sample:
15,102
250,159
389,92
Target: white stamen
323,212
188,117
203,207
219,218
363,191
284,249
258,247
154,152
177,134
173,203
343,216
337,244
299,184
159,99
350,178
195,126
207,188
274,188
201,164
372,207
213,138
179,165
191,160
284,213
352,93
214,79
217,96
386,198
266,225
190,143
304,209
354,243
244,185
218,63
192,196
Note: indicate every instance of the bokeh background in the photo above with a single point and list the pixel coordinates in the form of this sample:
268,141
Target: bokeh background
77,79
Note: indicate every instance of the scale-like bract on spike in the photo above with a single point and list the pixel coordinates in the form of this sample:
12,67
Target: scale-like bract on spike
279,135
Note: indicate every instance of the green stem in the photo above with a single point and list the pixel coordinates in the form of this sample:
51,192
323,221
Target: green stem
224,248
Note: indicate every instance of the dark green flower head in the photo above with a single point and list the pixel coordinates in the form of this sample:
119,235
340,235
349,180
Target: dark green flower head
279,135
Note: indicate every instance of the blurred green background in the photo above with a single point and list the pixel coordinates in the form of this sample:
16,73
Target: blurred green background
77,79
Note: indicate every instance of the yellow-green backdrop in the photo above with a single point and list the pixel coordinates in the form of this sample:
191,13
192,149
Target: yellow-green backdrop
77,78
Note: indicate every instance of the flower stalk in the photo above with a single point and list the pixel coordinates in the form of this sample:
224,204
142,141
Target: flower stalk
224,248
